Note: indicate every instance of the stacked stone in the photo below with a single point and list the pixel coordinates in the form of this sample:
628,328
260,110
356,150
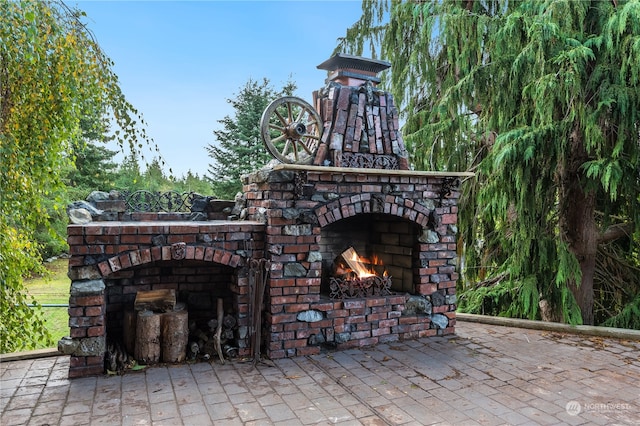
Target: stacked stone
86,341
101,206
360,128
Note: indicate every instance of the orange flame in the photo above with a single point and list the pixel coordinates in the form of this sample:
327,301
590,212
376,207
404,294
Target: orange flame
362,267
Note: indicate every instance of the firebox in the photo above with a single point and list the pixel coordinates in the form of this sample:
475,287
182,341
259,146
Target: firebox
337,245
381,245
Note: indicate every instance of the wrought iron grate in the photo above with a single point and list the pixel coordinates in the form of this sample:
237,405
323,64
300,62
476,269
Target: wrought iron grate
359,287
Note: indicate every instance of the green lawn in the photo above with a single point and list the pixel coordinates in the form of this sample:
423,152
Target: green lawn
53,290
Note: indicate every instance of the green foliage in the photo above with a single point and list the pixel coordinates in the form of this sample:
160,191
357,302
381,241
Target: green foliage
487,300
128,175
540,99
521,298
617,282
192,183
153,178
629,316
52,288
52,73
51,236
20,326
94,167
239,149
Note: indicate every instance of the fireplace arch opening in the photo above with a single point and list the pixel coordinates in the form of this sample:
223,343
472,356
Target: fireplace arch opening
385,243
197,285
205,294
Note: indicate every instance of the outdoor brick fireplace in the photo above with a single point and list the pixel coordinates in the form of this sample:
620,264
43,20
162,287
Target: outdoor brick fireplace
314,213
298,220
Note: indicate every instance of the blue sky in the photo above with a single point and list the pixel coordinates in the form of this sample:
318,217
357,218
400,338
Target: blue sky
179,61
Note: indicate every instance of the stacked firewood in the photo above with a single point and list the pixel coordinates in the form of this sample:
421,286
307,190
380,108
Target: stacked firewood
158,330
360,128
218,338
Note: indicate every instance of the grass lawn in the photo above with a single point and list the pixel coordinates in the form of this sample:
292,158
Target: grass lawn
53,290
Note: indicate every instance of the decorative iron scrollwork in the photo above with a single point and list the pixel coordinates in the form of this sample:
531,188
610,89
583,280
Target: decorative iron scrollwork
153,202
369,161
448,184
359,287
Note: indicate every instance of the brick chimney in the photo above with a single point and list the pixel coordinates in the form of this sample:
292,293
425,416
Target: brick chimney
360,122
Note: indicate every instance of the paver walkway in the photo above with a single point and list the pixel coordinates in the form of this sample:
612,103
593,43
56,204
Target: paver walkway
483,375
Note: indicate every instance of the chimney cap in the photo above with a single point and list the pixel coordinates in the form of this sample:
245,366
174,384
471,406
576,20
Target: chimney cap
344,61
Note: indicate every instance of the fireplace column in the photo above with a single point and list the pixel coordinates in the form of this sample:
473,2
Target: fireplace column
291,244
87,339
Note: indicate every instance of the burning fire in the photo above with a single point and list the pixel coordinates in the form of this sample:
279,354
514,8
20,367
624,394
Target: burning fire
361,267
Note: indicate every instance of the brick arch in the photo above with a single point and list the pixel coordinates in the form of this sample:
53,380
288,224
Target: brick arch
350,206
178,251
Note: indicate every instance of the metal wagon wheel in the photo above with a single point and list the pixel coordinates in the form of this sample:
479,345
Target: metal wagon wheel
290,130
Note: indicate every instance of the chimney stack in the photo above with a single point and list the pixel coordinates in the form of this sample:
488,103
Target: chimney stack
350,70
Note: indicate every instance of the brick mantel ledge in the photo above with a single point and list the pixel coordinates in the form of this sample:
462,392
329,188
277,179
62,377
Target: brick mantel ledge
378,172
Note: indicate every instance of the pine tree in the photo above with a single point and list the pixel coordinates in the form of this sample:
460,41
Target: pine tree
128,175
541,99
193,183
154,178
94,167
239,148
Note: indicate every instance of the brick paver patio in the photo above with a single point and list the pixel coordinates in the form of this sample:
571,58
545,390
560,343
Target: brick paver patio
484,374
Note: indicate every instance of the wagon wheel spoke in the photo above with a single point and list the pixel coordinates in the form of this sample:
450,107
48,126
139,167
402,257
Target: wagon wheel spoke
304,146
279,138
275,127
283,120
287,147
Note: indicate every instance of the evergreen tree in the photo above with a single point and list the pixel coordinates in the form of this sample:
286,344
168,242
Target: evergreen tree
239,148
193,183
128,175
94,168
154,178
541,99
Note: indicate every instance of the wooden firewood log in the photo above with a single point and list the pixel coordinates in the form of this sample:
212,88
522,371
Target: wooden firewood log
129,331
175,334
147,347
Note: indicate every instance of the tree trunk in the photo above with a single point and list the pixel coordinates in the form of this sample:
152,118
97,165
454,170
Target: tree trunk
585,248
578,225
155,300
